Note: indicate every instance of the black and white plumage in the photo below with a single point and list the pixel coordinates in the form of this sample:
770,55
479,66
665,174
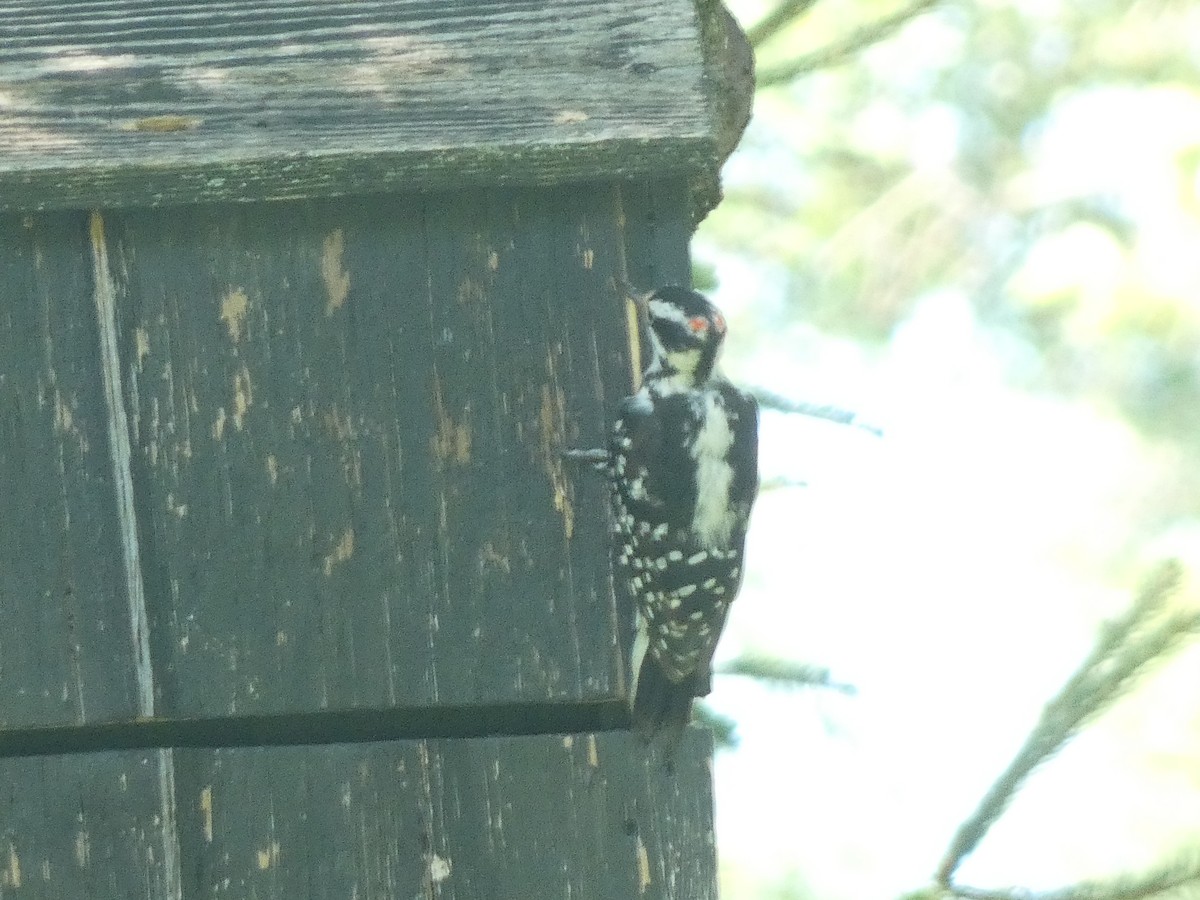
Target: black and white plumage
683,464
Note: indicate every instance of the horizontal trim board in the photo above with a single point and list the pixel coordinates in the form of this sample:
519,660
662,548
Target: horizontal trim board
326,727
124,102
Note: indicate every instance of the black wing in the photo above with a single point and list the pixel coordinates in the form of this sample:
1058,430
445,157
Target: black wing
682,587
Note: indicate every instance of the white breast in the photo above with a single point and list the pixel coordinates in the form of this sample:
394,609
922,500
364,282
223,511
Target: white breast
712,521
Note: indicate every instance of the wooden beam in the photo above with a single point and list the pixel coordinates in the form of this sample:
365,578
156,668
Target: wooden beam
123,103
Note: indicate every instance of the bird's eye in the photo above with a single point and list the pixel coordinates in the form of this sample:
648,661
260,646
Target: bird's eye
719,322
697,324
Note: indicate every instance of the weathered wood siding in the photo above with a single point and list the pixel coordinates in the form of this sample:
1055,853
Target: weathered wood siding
347,434
66,646
298,597
129,103
338,425
585,816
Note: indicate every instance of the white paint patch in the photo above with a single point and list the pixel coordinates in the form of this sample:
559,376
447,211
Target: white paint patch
439,868
712,522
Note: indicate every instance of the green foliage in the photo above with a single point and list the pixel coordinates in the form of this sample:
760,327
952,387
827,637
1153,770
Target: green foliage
941,160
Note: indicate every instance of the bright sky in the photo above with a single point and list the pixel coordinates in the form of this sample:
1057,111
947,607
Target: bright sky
954,572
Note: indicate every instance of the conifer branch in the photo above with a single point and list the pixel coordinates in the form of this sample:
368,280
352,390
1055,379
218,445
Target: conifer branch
1123,649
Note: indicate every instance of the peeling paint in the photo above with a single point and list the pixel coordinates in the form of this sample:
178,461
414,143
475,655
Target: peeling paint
470,291
162,124
272,468
342,552
643,864
234,307
12,872
333,272
551,418
141,342
64,418
570,117
490,556
452,440
593,752
439,868
268,856
206,813
243,397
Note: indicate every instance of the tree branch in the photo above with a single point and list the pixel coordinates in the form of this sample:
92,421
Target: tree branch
783,672
1120,654
768,399
1185,873
840,51
777,19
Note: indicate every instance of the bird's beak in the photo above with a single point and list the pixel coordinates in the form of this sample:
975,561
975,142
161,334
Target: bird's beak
637,324
640,301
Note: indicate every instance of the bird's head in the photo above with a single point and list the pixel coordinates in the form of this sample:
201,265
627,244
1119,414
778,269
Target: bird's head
686,332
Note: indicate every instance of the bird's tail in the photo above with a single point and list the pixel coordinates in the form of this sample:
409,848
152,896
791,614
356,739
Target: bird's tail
661,707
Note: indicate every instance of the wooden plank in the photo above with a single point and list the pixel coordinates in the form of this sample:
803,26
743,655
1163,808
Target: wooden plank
346,438
66,648
83,827
125,102
658,230
583,816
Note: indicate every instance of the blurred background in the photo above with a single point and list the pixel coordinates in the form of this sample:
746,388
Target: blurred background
977,225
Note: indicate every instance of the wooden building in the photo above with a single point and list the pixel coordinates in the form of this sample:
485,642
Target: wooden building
300,301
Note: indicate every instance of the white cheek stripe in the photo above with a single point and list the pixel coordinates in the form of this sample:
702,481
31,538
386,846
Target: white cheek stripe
661,309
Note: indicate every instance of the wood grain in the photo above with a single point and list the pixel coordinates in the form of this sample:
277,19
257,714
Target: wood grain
127,102
346,437
67,651
589,817
84,827
342,453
